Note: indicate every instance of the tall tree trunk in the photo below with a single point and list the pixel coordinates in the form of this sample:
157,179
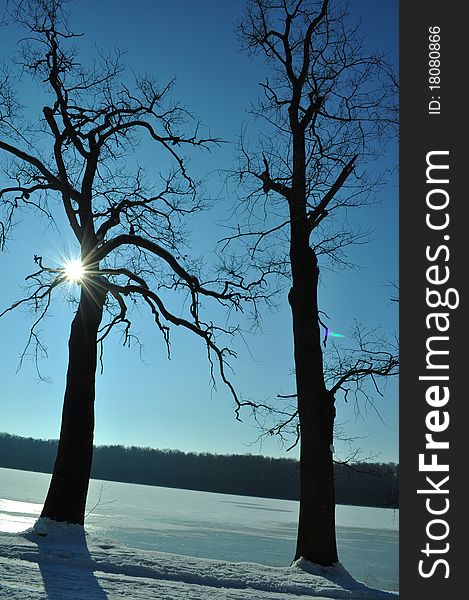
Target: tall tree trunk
66,498
316,539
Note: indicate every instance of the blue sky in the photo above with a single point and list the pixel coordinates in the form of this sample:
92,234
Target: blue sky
148,400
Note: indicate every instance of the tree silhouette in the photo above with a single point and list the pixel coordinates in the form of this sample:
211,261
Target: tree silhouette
368,484
79,160
328,106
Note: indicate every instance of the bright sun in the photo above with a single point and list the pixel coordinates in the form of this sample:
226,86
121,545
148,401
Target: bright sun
74,270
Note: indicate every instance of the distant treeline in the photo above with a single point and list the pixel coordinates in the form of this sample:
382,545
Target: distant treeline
366,484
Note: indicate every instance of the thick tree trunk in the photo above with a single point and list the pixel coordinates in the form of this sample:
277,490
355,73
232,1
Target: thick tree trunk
316,540
68,489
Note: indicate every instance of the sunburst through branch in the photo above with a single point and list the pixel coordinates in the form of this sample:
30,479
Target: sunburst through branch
74,271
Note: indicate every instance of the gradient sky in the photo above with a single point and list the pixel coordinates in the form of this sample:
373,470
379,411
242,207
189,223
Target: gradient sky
148,400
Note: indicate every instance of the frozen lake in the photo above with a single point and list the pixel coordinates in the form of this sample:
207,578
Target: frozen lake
204,524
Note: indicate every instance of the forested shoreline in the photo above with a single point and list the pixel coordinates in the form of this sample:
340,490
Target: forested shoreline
364,484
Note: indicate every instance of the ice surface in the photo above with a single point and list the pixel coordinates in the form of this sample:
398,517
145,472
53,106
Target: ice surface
60,561
218,526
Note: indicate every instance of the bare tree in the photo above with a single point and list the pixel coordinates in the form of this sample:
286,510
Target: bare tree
326,110
358,372
79,160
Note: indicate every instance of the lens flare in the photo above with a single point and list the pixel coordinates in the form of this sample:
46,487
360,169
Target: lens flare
74,271
329,333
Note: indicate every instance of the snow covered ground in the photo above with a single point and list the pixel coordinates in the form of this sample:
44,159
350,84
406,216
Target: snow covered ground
61,562
207,525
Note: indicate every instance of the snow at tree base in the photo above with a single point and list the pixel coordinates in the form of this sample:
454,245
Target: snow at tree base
60,561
